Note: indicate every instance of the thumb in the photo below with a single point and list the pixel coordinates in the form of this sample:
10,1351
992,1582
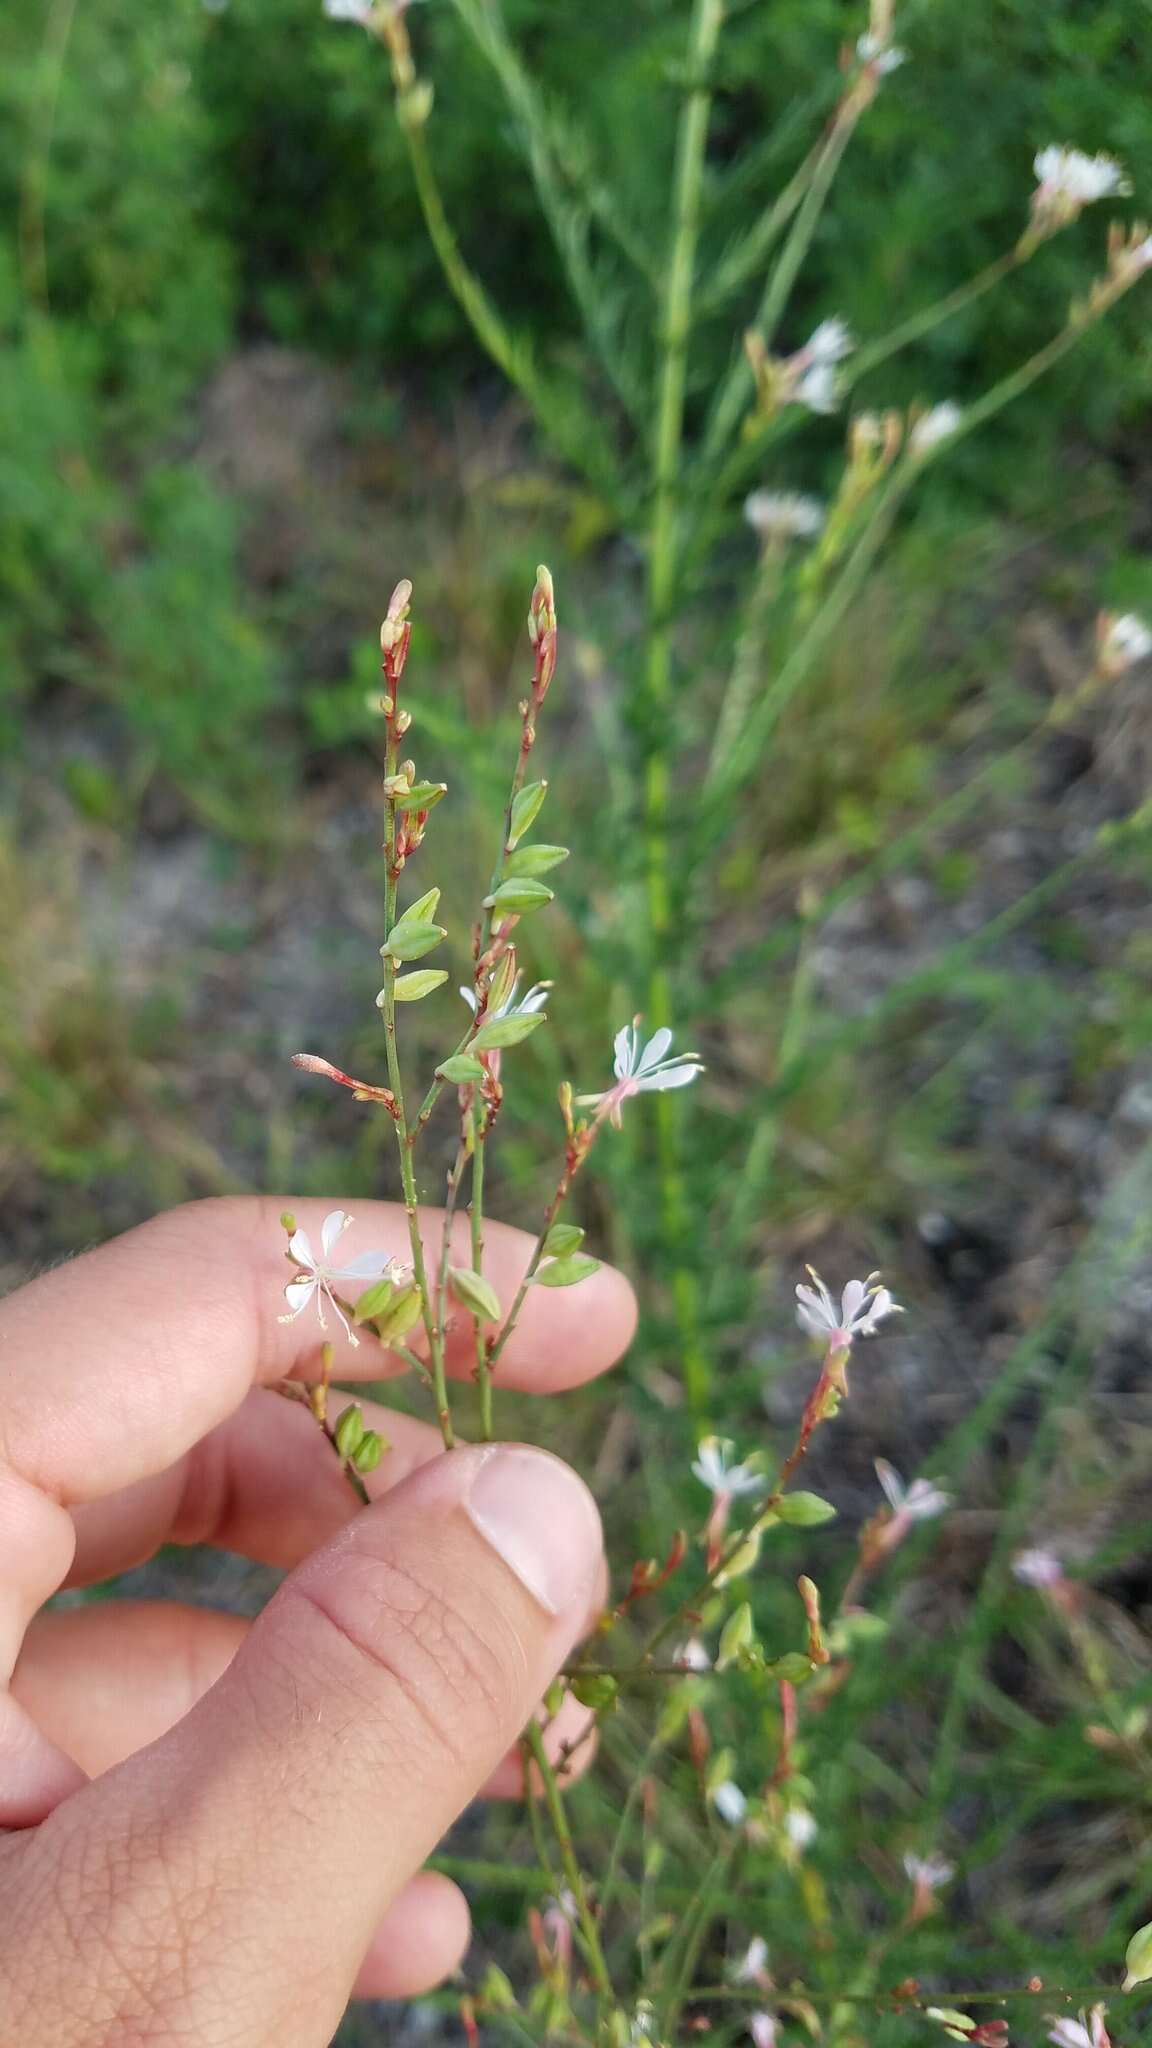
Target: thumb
231,1876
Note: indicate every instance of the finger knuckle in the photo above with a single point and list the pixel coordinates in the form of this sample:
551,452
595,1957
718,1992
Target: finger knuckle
446,1681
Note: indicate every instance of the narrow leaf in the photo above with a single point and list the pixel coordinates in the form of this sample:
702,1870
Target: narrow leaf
563,1238
476,1293
535,860
421,797
504,1031
567,1272
411,940
410,987
460,1068
525,810
523,895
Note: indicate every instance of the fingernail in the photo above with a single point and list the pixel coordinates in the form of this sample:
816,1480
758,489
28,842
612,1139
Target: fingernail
541,1519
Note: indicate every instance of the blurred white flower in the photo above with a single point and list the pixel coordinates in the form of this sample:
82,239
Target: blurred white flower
762,2028
863,1305
753,1964
321,1275
1038,1568
640,1069
928,1873
916,1503
1087,2032
730,1803
713,1468
830,342
1121,642
800,1827
1069,180
692,1656
784,515
882,55
359,11
935,426
809,377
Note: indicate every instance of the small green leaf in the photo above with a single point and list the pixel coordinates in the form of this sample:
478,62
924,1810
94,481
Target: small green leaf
375,1300
349,1431
566,1272
476,1293
411,940
562,1239
803,1510
394,1323
1138,1958
460,1068
410,987
369,1451
525,811
422,796
595,1689
794,1667
423,911
535,860
504,1031
520,896
736,1636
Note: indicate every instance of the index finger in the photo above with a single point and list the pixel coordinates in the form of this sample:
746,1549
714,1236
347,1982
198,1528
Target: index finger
115,1365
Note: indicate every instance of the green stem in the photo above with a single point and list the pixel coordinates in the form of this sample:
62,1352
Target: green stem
574,1876
921,323
483,1358
433,1326
707,17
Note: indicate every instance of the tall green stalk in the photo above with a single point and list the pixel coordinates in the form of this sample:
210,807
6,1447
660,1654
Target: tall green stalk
676,328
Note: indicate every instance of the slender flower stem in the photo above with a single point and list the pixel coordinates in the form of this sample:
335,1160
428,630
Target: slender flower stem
476,1219
692,139
923,322
553,1799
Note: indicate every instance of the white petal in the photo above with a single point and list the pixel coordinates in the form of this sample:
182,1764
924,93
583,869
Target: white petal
624,1049
298,1294
331,1229
892,1483
300,1248
654,1051
669,1077
470,999
852,1301
730,1803
368,1266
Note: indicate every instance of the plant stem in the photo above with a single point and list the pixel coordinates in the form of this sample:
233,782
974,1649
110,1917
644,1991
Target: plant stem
476,1219
553,1799
433,1325
704,31
921,323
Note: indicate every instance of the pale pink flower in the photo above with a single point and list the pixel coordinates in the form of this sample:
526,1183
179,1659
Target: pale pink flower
1038,1567
730,1802
919,1502
752,1966
642,1069
322,1276
1088,2031
714,1469
762,2028
863,1304
1068,180
928,1872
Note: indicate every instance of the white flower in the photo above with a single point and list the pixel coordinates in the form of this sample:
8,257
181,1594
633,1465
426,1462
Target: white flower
528,1005
1069,180
880,54
817,388
321,1276
799,1827
787,515
730,1802
692,1656
1037,1568
1122,642
928,1872
935,426
640,1069
830,342
916,1503
1087,2032
751,1966
863,1304
359,11
714,1470
762,2028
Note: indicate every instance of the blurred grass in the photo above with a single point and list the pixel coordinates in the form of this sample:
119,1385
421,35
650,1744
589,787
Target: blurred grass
235,404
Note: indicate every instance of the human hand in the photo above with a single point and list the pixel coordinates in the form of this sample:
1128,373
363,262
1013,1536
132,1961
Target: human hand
219,1827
